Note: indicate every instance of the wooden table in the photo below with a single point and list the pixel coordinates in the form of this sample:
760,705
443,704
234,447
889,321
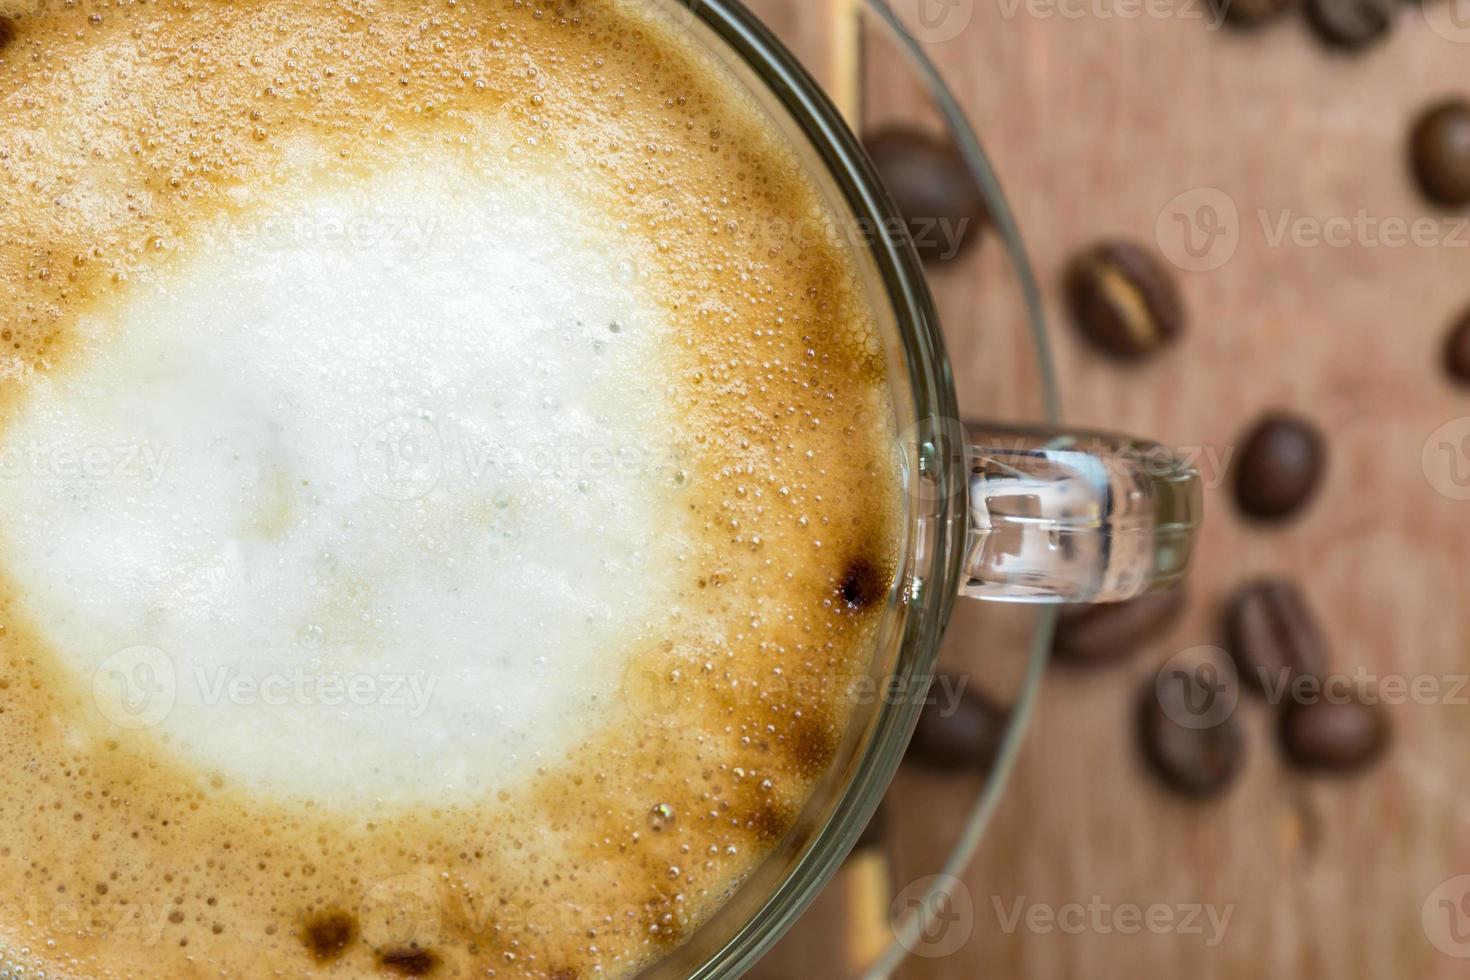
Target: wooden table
1096,121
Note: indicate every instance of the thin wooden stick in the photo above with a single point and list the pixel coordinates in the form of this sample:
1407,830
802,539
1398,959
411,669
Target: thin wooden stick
844,20
866,895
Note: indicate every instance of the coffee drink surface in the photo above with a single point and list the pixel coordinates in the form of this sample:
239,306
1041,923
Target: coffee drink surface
446,492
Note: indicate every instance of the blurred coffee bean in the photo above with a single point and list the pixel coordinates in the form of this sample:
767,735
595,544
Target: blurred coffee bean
1334,735
1457,350
933,189
1250,13
1094,635
1279,467
1124,300
1191,757
1440,147
1273,636
965,734
1351,24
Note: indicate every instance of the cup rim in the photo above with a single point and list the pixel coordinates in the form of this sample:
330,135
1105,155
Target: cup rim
932,390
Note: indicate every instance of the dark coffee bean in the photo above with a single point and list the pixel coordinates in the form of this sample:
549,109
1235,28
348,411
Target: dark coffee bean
1440,148
963,735
1250,13
1273,636
1192,751
1351,24
1123,300
933,189
1333,735
1457,350
1093,635
1280,466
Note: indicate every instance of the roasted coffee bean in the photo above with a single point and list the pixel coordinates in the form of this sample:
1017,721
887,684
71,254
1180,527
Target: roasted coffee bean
1333,735
1280,466
1250,13
965,734
1440,149
1351,24
1123,300
1094,635
1195,751
1273,637
933,189
1457,350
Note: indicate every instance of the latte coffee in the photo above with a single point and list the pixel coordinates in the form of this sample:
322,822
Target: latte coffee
446,487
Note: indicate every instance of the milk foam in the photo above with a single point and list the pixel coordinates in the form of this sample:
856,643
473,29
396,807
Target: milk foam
366,495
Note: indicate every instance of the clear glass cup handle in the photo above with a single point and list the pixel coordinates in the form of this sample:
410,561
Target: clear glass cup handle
1128,509
1075,518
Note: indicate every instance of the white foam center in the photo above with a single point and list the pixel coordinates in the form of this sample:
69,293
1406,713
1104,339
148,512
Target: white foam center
365,497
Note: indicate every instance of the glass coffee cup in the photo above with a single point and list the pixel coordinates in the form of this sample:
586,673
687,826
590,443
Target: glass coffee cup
1005,513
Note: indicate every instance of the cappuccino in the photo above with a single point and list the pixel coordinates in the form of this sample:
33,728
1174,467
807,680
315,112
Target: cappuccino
440,520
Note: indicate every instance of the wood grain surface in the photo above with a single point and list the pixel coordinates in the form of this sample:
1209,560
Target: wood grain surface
1098,114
